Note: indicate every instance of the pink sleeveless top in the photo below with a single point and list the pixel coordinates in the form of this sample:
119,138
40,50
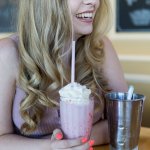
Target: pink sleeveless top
50,120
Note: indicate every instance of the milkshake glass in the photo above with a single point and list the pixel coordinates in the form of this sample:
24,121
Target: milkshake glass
76,111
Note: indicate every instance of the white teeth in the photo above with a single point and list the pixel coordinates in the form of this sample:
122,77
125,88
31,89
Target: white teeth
85,15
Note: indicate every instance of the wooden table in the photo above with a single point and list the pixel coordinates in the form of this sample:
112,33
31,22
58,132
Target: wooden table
144,141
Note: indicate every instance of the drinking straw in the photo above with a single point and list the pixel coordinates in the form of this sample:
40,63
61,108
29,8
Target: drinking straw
73,63
130,92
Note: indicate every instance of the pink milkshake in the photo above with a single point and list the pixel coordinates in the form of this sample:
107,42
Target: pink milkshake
76,111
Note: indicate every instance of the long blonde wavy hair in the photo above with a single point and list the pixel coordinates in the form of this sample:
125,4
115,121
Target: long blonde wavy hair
45,31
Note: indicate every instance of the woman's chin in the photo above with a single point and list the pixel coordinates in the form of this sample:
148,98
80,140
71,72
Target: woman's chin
83,33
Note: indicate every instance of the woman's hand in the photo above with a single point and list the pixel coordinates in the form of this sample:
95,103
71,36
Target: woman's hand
58,143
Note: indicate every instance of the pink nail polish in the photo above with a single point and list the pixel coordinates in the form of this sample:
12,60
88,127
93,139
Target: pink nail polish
91,142
59,136
91,148
84,140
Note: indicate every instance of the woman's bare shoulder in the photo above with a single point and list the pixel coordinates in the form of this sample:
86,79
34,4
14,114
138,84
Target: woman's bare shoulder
109,50
112,68
7,45
9,55
107,44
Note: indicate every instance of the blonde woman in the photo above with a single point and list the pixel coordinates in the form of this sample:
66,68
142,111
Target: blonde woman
35,64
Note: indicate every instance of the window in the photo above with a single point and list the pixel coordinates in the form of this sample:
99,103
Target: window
8,15
133,15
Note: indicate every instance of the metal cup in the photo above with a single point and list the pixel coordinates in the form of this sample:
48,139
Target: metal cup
124,120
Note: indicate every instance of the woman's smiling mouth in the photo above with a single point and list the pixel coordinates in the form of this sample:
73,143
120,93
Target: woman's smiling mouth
85,16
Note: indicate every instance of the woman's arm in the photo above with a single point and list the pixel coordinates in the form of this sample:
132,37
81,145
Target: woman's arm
7,84
100,133
113,73
112,69
16,142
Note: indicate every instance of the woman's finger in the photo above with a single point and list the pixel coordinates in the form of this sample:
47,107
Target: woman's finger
57,135
69,143
85,146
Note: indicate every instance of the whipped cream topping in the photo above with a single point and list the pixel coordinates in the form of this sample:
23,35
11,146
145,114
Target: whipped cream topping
75,92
